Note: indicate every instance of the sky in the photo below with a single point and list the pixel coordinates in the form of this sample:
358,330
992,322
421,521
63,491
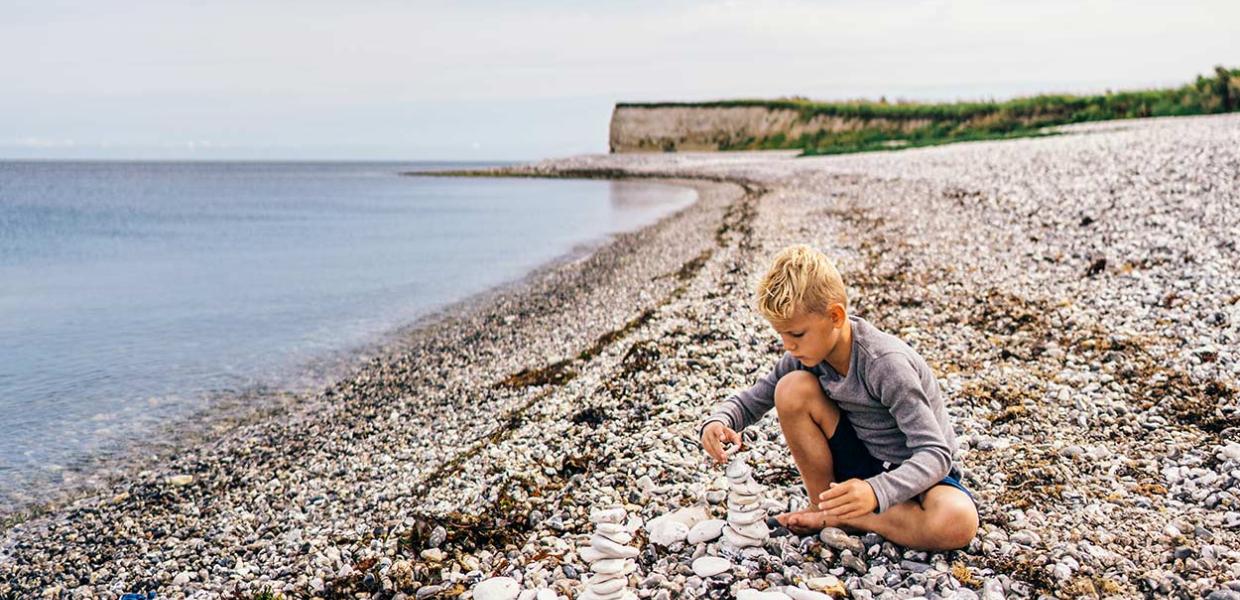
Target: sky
472,80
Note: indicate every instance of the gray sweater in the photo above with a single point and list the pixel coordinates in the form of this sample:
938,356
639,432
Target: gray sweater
890,397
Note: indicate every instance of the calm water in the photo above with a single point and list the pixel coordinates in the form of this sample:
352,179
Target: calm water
131,293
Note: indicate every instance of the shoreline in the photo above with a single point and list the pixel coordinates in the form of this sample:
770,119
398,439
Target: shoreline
1047,281
295,392
476,312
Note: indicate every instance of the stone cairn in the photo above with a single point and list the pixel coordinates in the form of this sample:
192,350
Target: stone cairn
609,557
746,526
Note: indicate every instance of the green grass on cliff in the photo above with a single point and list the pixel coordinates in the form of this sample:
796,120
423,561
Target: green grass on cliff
885,126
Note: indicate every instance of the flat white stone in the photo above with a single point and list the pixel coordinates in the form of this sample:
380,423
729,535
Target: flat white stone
706,531
752,594
757,530
601,577
609,586
546,594
689,515
608,565
739,481
590,555
737,469
750,488
609,528
608,515
737,540
665,532
745,507
621,595
745,518
708,566
797,593
588,595
619,537
612,549
497,588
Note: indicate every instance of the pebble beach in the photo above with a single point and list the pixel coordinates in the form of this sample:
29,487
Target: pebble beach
1075,294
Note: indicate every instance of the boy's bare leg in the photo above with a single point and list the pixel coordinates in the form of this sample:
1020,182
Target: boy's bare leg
945,518
808,418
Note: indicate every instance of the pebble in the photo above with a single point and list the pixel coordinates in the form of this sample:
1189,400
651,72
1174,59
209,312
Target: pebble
838,539
496,588
709,566
706,531
752,594
664,531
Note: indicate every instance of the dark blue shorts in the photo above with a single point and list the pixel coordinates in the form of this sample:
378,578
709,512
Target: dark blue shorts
853,460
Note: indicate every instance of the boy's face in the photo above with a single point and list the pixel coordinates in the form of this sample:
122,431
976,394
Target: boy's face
810,336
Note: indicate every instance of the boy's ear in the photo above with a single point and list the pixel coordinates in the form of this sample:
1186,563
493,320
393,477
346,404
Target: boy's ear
837,314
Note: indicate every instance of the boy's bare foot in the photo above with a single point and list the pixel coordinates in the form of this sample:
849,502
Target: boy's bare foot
808,521
803,522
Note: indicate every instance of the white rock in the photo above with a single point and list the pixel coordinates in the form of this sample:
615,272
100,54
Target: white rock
612,549
497,588
823,583
706,531
608,565
664,532
745,518
608,586
180,480
690,515
708,566
608,515
622,537
590,555
756,530
736,540
752,594
797,593
737,469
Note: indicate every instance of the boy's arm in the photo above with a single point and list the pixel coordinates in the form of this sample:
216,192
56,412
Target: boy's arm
899,388
745,408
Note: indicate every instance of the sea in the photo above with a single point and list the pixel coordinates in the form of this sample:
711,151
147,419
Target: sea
135,294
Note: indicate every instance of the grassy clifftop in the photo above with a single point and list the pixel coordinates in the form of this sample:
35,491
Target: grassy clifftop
868,125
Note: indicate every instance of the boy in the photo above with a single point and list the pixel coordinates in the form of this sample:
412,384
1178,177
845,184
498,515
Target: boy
861,412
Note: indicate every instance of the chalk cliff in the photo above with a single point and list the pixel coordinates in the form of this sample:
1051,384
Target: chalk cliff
670,127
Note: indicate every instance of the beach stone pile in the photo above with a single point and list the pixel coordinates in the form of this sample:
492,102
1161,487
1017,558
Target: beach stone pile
609,556
746,524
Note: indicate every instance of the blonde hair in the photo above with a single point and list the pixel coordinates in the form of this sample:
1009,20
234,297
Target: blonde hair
801,280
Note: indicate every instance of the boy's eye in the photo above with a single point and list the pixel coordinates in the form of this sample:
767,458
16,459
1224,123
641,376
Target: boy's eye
797,335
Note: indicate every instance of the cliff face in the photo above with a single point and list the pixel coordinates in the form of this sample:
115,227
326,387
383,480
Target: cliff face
636,128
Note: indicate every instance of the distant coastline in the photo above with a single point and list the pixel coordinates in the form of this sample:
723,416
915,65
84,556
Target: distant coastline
815,127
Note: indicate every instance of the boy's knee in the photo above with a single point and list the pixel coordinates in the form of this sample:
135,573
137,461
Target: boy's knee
955,526
795,392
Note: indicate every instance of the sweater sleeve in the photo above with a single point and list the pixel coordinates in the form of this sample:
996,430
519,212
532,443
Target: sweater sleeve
745,408
898,386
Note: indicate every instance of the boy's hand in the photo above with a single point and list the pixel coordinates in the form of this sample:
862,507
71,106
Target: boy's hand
849,500
713,437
